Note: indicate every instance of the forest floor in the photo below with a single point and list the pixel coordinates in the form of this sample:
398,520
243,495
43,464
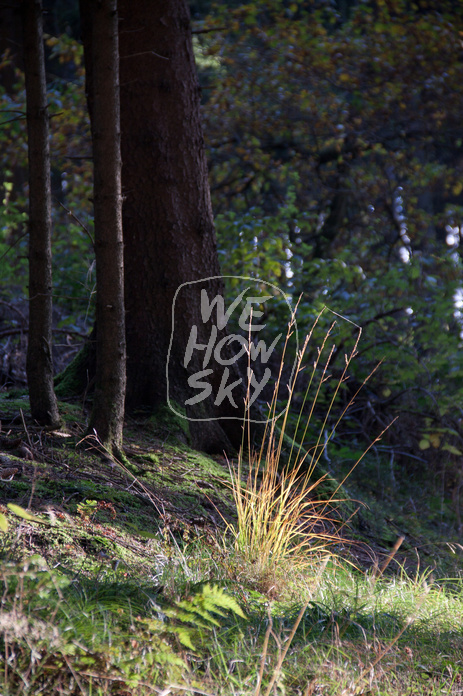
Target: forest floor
104,566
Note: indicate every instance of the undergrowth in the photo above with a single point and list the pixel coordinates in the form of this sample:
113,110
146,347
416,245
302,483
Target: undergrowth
266,607
351,634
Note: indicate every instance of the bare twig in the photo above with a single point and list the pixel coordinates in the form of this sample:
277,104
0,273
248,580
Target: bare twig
145,53
395,548
208,30
281,659
14,332
25,428
264,651
76,219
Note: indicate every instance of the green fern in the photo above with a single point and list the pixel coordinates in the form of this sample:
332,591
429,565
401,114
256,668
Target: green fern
200,611
107,631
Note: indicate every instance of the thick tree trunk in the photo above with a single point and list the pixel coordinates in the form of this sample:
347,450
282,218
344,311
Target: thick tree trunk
39,366
108,404
169,236
167,218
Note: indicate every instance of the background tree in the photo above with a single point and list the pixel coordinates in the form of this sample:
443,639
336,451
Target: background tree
71,184
169,237
44,406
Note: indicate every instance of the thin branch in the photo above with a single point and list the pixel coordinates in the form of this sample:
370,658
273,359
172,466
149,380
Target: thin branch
15,244
76,219
11,120
207,31
14,309
145,53
15,332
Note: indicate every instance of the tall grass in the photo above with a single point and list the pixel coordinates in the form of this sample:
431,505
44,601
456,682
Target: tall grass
282,524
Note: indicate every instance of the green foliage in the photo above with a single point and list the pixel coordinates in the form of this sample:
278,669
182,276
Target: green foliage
335,146
253,244
13,254
71,180
87,509
53,629
20,512
199,611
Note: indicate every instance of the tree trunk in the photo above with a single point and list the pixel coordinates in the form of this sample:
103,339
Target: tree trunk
39,366
108,404
169,236
168,225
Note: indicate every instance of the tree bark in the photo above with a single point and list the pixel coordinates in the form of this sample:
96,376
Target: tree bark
168,224
107,416
168,227
39,366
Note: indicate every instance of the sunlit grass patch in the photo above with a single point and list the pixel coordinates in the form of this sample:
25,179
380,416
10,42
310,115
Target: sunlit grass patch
395,636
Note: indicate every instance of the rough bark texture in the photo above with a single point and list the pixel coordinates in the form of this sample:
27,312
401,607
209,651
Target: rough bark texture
108,405
167,216
39,366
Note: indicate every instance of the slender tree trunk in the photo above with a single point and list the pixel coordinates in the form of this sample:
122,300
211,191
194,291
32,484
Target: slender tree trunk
108,405
39,366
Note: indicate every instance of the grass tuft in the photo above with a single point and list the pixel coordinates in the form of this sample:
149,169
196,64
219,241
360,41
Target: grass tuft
282,526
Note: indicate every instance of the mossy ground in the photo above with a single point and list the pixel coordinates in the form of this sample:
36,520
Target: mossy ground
166,485
129,538
165,489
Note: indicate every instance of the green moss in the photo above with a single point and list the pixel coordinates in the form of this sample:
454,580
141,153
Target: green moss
70,413
149,458
165,422
204,465
13,394
11,406
74,380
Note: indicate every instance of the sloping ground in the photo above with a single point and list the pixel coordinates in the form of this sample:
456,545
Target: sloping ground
108,570
104,512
